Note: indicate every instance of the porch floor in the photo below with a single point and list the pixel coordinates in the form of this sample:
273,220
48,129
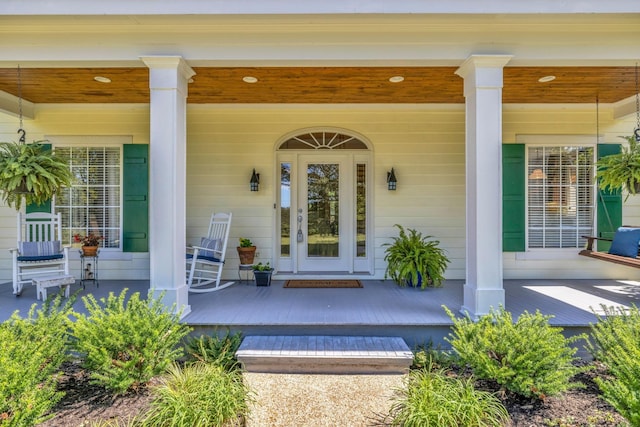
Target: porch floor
379,308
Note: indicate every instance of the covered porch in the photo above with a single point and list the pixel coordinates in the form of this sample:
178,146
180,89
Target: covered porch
379,308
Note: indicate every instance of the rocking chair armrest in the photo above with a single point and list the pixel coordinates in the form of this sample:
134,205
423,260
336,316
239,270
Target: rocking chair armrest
591,239
200,248
13,250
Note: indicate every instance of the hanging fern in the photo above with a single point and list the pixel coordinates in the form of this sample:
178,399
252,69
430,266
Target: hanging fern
621,170
30,173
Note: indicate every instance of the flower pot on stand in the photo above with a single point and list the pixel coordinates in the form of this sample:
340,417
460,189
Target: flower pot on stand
246,254
89,250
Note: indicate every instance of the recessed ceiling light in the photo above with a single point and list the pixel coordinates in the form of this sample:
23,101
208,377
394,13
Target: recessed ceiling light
102,79
250,79
396,79
546,79
190,81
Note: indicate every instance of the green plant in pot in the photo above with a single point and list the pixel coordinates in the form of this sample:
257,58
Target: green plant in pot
621,170
246,251
31,173
414,259
262,273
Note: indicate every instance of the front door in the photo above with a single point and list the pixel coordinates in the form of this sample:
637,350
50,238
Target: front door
324,220
323,227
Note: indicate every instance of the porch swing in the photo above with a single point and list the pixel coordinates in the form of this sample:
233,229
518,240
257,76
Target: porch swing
626,238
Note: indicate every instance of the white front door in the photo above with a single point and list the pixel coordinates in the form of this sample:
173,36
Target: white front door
324,230
324,208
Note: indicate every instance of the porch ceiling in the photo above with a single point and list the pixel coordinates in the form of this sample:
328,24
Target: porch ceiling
321,85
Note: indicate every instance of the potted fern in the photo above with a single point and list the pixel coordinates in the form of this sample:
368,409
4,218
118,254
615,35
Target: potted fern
621,170
415,260
30,173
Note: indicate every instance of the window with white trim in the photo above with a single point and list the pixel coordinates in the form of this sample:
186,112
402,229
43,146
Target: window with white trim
93,203
560,187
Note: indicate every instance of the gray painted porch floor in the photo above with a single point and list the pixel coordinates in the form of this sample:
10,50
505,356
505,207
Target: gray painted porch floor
379,308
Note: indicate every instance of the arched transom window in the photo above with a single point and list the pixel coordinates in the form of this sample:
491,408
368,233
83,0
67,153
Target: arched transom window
323,141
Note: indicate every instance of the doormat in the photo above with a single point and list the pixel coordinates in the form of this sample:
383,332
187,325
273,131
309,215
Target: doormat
323,284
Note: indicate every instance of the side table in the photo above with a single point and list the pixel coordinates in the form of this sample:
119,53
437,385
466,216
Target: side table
248,271
89,271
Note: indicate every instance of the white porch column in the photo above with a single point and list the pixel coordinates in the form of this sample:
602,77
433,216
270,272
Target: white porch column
482,76
168,79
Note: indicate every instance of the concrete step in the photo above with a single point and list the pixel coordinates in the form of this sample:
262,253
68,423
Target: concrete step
324,354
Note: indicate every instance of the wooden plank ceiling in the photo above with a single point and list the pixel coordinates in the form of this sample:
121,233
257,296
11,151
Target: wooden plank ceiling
322,85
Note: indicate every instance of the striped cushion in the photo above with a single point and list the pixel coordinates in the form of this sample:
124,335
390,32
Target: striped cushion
39,249
213,244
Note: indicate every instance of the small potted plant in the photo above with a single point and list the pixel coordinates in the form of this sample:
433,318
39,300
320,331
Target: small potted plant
89,243
415,260
246,251
621,170
31,173
262,273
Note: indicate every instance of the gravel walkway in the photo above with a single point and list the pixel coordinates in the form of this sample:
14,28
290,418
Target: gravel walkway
301,400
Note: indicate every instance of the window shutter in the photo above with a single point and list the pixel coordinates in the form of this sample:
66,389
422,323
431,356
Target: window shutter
135,196
513,198
609,204
45,206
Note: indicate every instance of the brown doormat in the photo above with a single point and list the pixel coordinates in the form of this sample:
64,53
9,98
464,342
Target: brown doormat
323,284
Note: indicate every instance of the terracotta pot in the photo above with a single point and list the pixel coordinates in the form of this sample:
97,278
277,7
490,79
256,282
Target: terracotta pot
247,255
89,250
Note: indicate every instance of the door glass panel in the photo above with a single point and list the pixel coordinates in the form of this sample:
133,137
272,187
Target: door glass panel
285,209
361,210
323,210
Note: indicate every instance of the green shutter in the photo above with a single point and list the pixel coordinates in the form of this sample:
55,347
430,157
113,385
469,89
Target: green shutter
45,206
609,204
513,198
135,195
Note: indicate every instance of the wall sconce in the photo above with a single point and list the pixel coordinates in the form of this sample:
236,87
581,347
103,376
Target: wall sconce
391,180
254,183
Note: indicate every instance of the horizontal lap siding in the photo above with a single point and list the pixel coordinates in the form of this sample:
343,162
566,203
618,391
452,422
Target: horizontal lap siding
426,148
127,119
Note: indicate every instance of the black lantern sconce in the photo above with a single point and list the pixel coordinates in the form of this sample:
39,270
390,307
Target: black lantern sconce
254,183
392,182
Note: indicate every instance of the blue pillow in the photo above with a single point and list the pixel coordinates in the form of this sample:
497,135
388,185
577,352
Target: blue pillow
625,242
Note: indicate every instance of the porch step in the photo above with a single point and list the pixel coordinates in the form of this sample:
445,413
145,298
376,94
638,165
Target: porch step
325,354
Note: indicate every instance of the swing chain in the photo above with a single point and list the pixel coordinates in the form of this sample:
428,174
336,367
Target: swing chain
21,130
636,132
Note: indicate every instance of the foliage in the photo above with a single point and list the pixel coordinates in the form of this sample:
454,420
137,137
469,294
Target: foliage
621,170
31,353
529,357
262,267
88,240
125,345
412,257
434,398
218,350
245,243
30,168
617,344
434,356
199,394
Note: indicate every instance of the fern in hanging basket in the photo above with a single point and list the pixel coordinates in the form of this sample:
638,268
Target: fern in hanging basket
621,170
31,173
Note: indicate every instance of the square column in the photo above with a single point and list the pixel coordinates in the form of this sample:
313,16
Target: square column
483,81
168,79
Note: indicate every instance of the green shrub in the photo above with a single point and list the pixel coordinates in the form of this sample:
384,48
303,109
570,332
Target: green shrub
433,398
199,394
124,345
31,352
214,349
529,357
617,345
431,355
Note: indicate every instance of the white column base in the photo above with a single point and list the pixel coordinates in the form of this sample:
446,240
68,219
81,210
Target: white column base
479,302
178,296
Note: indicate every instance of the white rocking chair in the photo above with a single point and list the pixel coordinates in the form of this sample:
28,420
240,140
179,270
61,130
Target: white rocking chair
205,262
40,251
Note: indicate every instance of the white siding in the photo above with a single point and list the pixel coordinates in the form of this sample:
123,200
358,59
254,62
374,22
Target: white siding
425,145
